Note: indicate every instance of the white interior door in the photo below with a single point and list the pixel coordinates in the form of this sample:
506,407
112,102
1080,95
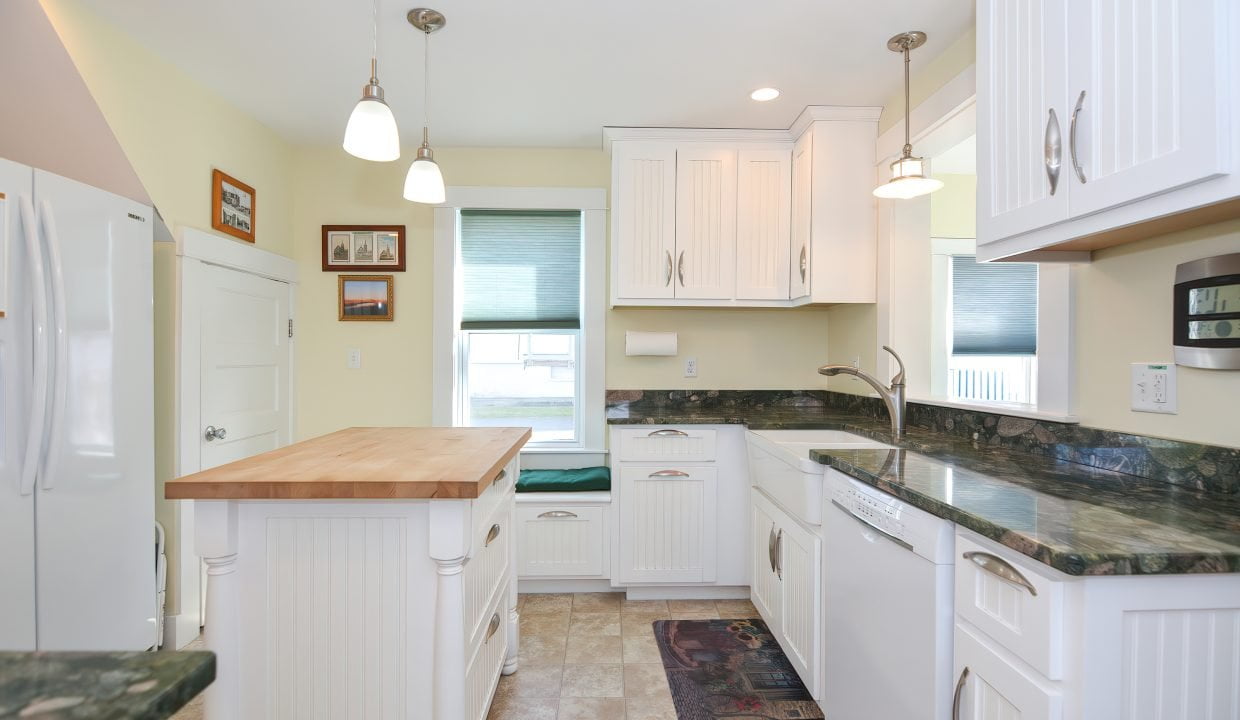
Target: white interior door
245,365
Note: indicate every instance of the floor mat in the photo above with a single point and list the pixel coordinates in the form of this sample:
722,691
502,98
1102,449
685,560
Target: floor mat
730,669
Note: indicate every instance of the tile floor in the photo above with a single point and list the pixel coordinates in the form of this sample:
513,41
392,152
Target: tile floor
585,656
592,656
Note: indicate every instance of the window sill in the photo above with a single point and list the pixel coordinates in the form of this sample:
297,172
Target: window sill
999,408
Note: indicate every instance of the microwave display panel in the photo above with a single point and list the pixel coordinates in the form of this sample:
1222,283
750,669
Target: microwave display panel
1214,300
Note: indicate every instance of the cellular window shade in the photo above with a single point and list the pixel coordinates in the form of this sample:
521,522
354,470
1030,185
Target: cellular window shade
994,307
521,269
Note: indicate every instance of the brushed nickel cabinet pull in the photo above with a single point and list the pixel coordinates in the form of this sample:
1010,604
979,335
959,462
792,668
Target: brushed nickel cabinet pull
492,627
804,262
557,514
668,432
770,547
502,474
964,676
680,268
1052,150
668,473
1000,568
491,535
1076,165
668,280
779,552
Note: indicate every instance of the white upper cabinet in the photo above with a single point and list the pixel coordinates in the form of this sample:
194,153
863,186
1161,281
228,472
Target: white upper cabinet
705,223
1103,121
764,202
644,220
802,199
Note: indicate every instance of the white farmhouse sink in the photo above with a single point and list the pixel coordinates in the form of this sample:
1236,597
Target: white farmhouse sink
780,466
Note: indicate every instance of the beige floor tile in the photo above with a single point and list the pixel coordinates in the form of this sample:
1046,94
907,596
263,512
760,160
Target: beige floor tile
517,708
637,625
641,649
548,603
520,601
194,710
593,681
531,681
593,649
591,709
736,609
650,708
693,606
542,650
591,624
674,615
550,624
643,607
597,602
645,680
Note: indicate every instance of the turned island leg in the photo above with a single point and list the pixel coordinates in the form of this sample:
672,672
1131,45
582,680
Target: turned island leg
449,546
215,523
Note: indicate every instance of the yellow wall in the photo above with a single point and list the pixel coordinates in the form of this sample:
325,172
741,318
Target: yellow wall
953,209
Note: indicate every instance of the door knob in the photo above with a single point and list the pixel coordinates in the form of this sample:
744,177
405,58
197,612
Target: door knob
214,433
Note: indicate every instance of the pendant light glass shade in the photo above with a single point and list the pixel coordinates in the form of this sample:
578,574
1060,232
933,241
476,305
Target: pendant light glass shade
424,182
908,174
371,133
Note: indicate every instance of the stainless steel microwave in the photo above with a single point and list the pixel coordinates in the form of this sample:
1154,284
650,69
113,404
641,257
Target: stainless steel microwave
1207,313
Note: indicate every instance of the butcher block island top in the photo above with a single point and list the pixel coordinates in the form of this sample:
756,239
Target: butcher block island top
364,463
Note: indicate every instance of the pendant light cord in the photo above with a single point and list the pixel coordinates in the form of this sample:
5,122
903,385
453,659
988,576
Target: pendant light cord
908,146
374,41
426,82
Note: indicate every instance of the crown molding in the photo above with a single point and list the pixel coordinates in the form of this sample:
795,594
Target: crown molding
846,113
808,116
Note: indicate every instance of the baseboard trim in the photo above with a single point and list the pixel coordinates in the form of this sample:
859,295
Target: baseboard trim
687,592
544,586
180,630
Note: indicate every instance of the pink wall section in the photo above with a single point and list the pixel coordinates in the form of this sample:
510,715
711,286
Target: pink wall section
48,118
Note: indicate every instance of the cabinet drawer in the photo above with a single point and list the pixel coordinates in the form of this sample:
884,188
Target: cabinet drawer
486,661
676,444
561,541
495,499
1007,597
487,571
996,688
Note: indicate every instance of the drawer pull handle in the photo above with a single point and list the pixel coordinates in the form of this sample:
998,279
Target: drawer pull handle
502,474
557,514
1052,150
668,432
492,627
770,547
779,552
491,535
1076,163
1000,568
964,677
668,473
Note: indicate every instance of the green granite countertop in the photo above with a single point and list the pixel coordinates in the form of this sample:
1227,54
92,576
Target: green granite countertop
101,685
1075,518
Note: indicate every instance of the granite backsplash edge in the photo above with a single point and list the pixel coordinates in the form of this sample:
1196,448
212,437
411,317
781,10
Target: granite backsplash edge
1211,468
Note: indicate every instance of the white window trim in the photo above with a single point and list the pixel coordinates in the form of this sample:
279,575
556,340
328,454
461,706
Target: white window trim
445,346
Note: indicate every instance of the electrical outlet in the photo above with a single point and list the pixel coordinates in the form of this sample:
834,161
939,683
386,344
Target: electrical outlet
690,367
1153,388
355,359
857,361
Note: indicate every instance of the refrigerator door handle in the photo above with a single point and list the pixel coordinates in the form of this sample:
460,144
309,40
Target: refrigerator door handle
38,399
60,345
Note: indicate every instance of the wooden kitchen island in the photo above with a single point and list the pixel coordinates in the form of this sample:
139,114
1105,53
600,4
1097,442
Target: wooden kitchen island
362,574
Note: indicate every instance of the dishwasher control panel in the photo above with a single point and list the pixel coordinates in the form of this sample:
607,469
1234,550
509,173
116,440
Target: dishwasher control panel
881,512
927,535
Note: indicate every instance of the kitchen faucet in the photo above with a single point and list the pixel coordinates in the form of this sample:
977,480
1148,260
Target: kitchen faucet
893,397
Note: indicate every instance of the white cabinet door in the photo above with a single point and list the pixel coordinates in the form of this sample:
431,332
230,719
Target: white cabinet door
798,565
802,201
1149,97
989,687
667,524
644,212
705,223
764,584
560,541
764,207
1022,116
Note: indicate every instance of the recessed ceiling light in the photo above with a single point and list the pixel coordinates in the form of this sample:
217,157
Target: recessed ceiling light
764,94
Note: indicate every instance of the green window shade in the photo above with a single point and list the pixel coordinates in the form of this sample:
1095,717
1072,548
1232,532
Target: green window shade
994,307
522,269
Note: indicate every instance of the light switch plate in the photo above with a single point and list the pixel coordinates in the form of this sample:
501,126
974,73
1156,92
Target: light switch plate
355,359
1153,388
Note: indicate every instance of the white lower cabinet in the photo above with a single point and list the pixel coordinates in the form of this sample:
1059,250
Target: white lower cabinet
992,687
786,586
562,538
667,522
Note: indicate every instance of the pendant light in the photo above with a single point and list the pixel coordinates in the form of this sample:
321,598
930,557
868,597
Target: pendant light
908,178
424,183
371,133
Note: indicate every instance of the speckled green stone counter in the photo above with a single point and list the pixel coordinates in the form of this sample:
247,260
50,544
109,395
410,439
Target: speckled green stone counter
1078,519
101,685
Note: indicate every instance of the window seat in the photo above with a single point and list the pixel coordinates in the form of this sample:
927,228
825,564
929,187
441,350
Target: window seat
592,479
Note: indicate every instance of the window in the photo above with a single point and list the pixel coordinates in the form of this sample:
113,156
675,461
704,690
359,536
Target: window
993,328
520,327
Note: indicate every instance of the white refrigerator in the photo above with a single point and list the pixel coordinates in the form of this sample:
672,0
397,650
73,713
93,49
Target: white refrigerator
77,487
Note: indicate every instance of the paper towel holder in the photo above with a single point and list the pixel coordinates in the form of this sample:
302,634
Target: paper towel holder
637,343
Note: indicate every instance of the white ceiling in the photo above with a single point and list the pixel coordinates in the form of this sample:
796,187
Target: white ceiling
550,73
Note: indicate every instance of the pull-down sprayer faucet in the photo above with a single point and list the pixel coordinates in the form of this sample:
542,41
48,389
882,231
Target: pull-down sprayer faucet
893,397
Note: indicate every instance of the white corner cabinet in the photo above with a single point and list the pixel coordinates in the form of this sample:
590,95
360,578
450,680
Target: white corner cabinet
759,218
1101,122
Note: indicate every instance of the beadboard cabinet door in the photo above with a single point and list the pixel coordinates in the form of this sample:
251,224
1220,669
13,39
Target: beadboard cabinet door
801,213
763,239
992,687
1022,116
705,228
667,524
763,583
644,219
1149,98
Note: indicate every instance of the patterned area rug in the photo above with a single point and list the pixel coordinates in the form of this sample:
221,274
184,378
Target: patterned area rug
730,669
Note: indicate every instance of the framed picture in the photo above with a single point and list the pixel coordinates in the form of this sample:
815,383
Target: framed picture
363,247
232,206
366,297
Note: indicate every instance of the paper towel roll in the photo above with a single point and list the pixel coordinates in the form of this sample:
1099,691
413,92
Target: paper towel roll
649,343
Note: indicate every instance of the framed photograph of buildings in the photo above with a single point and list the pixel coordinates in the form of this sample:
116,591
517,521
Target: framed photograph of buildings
349,248
232,206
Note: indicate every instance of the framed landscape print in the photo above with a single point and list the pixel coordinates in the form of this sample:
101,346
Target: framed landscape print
232,206
366,297
363,247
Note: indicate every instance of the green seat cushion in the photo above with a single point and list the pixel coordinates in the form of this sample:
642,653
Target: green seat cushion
579,480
